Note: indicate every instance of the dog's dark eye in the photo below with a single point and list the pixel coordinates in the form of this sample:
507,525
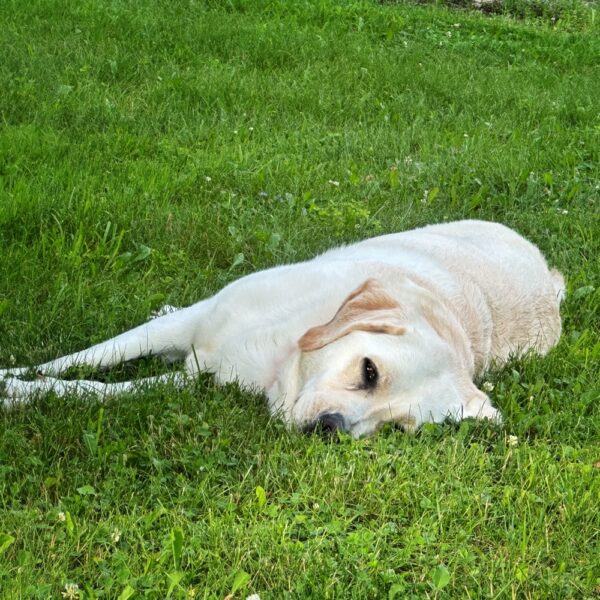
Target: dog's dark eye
369,373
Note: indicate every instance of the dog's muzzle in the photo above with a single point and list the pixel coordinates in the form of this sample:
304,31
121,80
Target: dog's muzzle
327,424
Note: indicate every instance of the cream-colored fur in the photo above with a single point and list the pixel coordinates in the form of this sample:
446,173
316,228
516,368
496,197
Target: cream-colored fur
391,329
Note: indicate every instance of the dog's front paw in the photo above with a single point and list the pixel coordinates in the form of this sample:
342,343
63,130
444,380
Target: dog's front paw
480,407
489,412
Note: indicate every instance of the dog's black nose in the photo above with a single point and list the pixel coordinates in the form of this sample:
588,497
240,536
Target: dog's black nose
330,423
326,424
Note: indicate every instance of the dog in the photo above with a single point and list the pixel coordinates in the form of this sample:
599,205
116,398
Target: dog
392,329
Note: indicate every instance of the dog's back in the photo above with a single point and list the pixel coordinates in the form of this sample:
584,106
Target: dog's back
480,267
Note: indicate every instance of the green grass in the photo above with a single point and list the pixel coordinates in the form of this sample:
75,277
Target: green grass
152,152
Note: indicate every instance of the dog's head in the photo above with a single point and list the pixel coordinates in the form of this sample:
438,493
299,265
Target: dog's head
377,362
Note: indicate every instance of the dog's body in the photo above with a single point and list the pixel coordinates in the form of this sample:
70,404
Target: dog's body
393,328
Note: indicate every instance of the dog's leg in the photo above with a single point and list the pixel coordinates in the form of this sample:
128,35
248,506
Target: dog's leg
171,334
15,391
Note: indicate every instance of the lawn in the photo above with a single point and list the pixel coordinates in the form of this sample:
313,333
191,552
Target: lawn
153,151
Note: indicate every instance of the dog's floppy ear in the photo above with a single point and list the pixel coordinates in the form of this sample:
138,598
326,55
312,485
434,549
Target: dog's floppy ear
368,308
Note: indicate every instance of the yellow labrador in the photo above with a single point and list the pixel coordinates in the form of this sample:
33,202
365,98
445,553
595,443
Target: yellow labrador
391,329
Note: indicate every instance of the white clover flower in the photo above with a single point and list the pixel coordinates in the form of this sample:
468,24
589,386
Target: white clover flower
115,536
62,517
512,441
488,386
71,591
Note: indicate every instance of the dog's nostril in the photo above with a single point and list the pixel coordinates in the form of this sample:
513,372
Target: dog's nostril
326,423
330,422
